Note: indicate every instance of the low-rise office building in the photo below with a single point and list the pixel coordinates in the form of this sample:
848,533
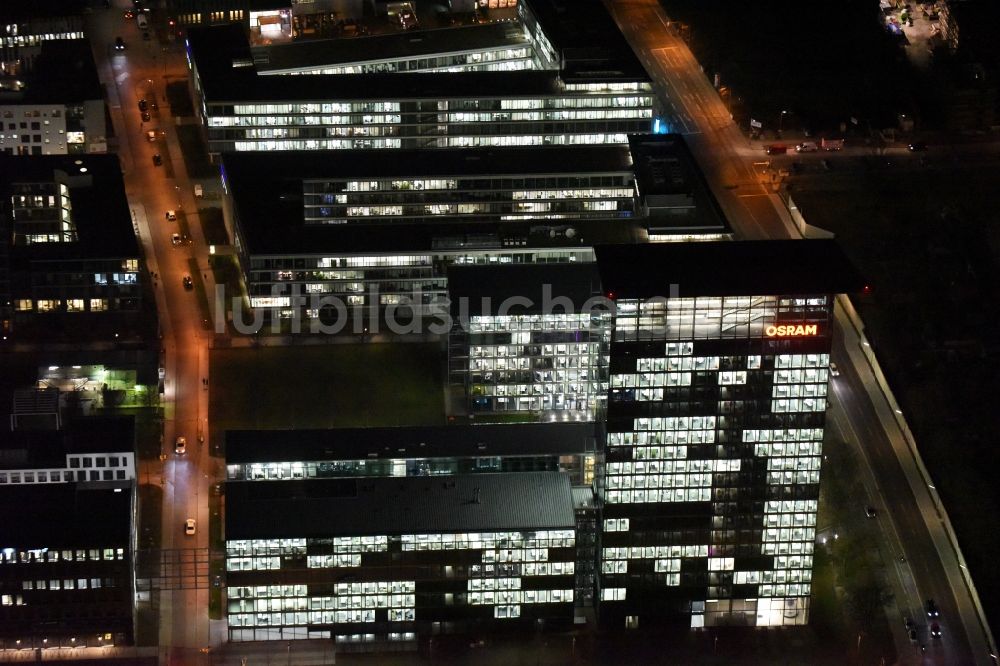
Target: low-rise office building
282,455
66,569
71,261
91,452
51,99
586,87
719,375
378,561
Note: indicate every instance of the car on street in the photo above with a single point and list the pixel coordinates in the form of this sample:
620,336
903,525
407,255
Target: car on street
151,135
870,511
930,606
119,44
834,370
407,19
180,446
145,36
908,624
188,283
917,147
171,215
807,147
157,160
175,239
146,117
935,630
143,105
129,14
189,527
912,633
776,149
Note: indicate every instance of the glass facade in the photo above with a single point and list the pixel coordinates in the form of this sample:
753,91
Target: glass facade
541,363
715,425
388,588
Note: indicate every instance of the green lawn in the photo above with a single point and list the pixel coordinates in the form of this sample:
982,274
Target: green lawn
327,386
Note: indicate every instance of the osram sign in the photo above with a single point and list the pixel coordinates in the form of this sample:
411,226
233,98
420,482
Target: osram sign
792,331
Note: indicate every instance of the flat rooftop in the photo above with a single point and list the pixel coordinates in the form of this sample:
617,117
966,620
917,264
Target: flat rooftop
665,172
394,506
59,71
483,290
267,194
62,515
394,46
40,449
727,268
100,209
453,441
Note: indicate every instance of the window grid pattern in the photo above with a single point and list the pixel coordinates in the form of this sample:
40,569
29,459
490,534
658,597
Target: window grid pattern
735,435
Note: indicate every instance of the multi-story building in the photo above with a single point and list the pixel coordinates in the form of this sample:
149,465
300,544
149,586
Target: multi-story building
372,561
71,254
296,218
51,100
715,420
586,87
532,338
31,23
66,569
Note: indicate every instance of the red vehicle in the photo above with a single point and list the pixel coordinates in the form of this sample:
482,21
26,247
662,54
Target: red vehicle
776,149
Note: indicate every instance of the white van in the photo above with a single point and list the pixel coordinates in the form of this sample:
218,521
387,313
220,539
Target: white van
142,20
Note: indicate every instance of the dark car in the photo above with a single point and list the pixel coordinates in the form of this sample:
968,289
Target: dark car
912,633
157,160
143,105
870,511
917,147
776,149
119,44
145,116
931,607
188,283
935,630
145,36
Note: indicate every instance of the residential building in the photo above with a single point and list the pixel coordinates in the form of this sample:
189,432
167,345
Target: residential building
379,562
72,264
51,100
719,374
31,23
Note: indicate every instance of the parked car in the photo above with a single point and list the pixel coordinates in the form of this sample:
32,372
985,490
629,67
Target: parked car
870,511
146,117
157,160
180,446
143,105
931,608
175,239
189,527
151,136
776,149
912,633
917,147
188,282
171,215
834,370
407,19
807,147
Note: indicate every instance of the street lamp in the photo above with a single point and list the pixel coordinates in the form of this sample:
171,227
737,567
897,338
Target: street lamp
781,118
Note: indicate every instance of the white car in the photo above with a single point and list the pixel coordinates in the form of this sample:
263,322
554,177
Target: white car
180,446
834,370
172,216
175,239
151,136
189,527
